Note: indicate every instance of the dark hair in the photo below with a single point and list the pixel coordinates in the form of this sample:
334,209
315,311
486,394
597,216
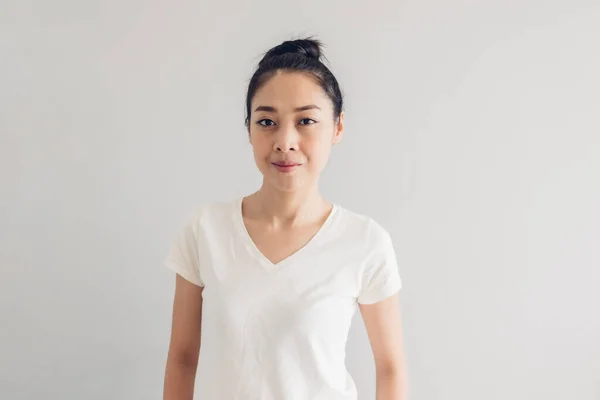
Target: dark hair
301,55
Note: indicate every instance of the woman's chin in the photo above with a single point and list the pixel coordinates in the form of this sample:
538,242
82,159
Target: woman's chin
287,183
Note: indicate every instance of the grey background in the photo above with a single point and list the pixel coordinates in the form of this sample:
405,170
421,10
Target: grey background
472,136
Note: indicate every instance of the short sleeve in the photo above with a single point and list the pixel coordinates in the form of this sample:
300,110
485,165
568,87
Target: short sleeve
183,254
380,278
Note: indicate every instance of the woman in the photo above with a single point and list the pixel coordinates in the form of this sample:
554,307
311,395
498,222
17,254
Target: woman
274,278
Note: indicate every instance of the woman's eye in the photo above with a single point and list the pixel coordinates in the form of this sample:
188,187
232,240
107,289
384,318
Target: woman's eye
266,122
307,121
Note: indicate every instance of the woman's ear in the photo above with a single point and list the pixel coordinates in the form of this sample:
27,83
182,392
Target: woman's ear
339,129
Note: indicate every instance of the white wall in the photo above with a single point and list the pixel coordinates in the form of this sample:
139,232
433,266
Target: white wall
472,135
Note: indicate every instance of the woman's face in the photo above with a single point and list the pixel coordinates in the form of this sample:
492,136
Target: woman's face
292,130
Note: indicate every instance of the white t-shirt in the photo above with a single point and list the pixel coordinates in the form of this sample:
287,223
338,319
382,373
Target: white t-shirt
279,331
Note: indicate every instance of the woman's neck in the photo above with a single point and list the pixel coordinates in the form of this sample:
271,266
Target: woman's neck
279,208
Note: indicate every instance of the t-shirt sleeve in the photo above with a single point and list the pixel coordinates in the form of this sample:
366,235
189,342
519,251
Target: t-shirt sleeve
182,257
381,278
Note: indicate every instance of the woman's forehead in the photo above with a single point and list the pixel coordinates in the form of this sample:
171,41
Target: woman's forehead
291,90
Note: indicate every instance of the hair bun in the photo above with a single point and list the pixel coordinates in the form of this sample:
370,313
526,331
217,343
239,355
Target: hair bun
310,48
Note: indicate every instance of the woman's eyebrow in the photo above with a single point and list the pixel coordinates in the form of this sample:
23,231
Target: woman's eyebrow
274,110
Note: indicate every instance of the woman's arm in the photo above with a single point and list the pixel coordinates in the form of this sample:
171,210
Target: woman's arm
384,328
184,347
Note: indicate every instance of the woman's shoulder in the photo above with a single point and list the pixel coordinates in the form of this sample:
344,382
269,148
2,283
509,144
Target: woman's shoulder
363,225
214,211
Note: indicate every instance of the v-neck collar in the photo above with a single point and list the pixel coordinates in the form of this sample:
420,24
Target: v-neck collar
253,248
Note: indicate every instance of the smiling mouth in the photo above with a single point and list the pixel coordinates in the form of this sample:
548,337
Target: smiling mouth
286,167
286,164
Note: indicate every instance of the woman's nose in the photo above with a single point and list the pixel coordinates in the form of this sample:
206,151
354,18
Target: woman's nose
286,139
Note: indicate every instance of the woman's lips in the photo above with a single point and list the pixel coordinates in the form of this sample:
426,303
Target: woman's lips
286,167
